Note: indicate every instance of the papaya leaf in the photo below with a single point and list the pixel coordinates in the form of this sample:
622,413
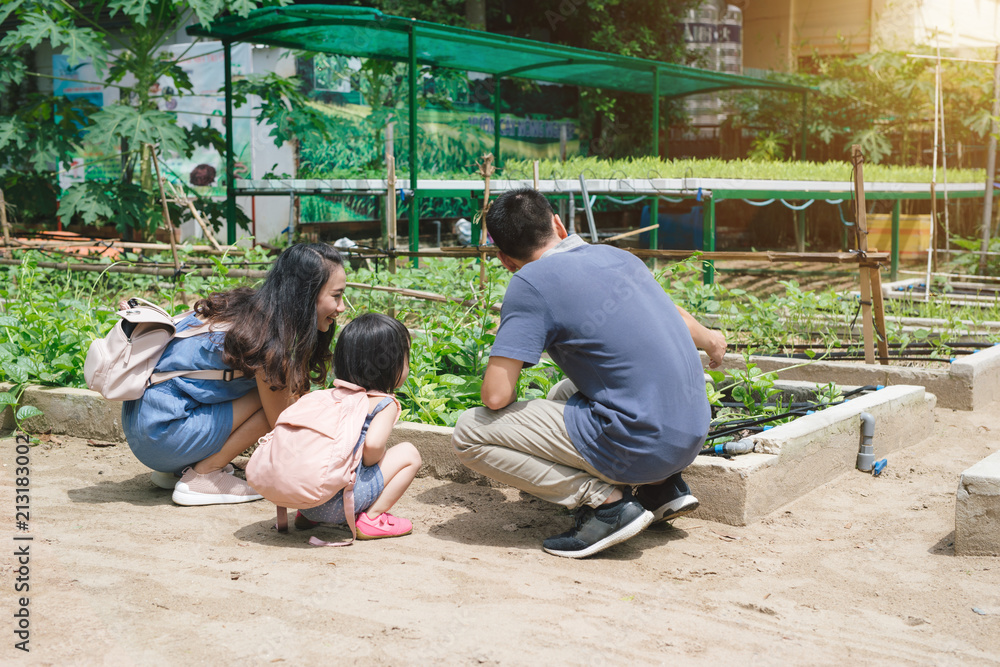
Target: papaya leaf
137,10
12,70
9,7
12,132
37,26
81,199
150,126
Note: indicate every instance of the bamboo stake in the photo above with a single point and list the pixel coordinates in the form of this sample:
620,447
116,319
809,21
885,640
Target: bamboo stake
944,171
764,256
486,170
238,273
118,243
166,209
871,282
883,345
4,223
390,209
181,198
862,228
629,233
931,258
535,173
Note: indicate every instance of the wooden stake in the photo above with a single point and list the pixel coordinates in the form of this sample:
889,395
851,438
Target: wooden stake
486,170
535,172
862,229
166,210
390,209
870,280
183,199
875,274
4,224
627,234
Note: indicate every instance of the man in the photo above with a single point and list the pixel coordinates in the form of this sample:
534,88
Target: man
633,410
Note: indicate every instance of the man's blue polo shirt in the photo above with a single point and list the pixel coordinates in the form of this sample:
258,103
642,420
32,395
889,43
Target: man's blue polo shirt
641,413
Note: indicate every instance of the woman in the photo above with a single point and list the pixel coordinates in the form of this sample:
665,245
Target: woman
278,336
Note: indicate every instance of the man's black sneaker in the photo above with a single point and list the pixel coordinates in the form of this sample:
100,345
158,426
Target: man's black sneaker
599,528
667,500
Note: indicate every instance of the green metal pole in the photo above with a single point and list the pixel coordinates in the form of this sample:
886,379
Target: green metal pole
894,257
708,241
805,117
496,121
230,158
800,220
414,208
654,205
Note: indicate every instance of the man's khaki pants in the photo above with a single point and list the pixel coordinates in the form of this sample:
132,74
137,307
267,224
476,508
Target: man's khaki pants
525,445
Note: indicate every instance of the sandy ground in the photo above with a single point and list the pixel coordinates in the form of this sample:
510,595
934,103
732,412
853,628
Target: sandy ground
861,569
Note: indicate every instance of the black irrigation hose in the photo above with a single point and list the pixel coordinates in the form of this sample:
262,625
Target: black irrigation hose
821,346
858,357
736,426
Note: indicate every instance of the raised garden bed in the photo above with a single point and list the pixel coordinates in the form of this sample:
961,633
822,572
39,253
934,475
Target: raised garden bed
968,383
788,460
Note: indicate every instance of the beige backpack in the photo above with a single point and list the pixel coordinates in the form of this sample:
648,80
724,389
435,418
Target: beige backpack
120,365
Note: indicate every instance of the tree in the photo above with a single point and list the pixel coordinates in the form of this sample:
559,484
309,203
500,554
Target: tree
42,130
882,101
617,124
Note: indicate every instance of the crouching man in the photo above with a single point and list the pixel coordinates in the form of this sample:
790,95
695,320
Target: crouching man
633,409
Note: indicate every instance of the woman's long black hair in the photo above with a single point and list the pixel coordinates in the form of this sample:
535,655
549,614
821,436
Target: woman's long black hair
272,330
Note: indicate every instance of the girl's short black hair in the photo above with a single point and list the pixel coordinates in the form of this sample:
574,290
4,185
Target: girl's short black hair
371,352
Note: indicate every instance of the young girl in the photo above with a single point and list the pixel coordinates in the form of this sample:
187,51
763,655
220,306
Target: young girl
373,352
279,336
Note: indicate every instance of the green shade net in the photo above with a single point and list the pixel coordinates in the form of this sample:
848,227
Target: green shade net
365,32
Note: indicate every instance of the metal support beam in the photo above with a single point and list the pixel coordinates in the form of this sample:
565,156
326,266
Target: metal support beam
414,204
496,121
991,163
894,256
230,151
708,241
654,205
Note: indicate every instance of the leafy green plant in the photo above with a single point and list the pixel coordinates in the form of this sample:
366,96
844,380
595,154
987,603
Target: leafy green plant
39,130
22,413
767,147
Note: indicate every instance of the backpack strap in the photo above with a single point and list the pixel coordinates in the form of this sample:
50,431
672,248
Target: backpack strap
282,520
225,375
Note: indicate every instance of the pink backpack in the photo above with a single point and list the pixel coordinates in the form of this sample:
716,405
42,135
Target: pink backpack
313,451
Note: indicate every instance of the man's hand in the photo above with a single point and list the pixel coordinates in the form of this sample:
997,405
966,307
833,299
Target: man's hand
710,340
715,347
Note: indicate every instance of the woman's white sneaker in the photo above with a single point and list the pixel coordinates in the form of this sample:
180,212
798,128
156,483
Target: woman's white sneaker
168,480
213,488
